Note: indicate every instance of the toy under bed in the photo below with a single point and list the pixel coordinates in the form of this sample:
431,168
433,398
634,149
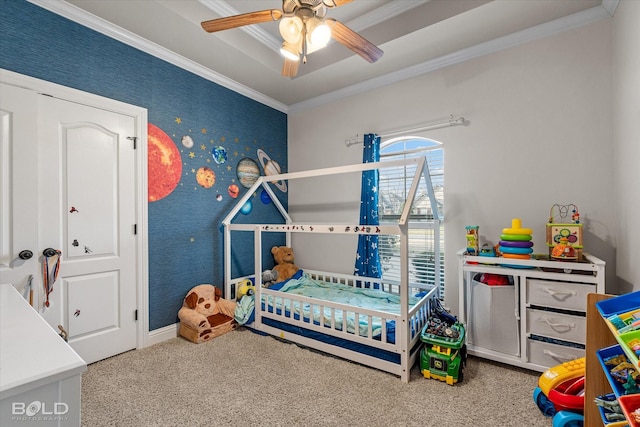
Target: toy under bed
311,309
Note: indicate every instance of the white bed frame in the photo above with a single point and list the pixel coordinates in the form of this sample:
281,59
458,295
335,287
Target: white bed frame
408,323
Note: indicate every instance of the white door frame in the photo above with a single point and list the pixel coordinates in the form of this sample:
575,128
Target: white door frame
141,185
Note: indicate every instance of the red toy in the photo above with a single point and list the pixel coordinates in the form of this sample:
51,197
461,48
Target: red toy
560,393
568,396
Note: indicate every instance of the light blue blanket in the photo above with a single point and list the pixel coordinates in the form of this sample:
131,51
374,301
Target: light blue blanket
337,292
334,292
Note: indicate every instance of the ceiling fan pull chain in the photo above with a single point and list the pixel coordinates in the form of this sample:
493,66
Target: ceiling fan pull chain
304,43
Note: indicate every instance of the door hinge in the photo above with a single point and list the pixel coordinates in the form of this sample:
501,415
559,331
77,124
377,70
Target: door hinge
136,315
135,228
134,139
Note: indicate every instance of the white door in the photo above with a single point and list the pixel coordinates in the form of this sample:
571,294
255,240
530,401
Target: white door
18,146
86,210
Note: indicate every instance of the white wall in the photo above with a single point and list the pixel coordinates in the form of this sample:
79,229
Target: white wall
626,126
540,133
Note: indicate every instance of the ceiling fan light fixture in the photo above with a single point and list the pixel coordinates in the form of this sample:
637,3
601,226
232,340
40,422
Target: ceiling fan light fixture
290,51
291,29
318,33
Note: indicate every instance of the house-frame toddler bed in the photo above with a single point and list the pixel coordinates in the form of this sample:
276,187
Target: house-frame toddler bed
383,335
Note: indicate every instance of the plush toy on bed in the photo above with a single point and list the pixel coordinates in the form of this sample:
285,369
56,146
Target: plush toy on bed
205,315
283,256
269,277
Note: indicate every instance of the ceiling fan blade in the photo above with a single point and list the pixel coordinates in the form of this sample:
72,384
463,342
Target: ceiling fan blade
336,3
354,41
241,20
290,68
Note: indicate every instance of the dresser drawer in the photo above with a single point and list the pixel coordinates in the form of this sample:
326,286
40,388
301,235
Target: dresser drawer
557,325
562,295
548,354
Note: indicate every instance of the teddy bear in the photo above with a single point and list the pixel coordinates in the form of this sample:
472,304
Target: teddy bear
283,256
205,314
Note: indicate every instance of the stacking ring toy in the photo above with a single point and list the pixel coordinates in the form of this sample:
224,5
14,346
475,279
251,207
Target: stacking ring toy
516,237
508,244
521,251
517,256
516,228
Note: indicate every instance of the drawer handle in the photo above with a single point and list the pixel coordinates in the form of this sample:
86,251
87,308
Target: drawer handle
561,295
558,327
559,357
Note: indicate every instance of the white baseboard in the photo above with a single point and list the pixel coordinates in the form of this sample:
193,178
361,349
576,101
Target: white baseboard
160,335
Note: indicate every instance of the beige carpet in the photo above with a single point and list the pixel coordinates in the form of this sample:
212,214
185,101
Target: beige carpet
244,379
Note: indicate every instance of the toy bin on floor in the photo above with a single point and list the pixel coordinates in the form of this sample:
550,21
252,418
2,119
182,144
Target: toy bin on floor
443,356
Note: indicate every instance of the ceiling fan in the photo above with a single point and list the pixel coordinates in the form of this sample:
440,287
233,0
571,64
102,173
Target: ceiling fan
304,28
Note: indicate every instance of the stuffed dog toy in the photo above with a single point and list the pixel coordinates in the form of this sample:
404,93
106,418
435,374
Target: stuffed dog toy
205,315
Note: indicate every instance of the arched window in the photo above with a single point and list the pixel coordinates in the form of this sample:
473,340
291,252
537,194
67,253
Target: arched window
393,189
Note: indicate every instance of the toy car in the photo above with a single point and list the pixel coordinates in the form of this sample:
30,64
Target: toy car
445,354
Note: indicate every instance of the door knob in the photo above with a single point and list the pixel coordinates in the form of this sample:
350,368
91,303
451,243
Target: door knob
49,252
26,254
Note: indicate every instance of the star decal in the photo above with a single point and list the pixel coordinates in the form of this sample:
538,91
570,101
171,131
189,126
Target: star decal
203,147
178,120
192,154
203,130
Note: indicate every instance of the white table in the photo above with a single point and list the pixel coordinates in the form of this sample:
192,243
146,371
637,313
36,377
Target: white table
40,374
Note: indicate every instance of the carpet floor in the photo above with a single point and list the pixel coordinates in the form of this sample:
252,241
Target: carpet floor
245,379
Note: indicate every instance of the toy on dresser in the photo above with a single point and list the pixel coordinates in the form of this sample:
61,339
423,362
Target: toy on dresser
472,239
564,235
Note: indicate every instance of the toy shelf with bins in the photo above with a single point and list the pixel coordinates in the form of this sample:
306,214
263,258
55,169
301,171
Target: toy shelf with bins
536,321
619,314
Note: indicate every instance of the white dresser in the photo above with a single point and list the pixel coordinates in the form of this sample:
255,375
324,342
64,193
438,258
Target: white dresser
536,321
40,374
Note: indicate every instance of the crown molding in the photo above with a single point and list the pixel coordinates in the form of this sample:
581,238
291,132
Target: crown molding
505,42
610,6
100,25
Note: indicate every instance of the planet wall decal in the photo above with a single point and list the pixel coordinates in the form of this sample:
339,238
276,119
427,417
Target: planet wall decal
219,154
206,177
247,171
264,197
246,208
164,164
271,167
187,141
233,191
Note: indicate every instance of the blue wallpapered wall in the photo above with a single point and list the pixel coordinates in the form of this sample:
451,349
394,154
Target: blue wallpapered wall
185,235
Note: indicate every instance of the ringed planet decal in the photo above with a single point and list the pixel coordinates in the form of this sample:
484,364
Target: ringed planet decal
271,167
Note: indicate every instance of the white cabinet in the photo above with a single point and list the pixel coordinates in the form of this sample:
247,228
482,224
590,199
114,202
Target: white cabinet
40,376
538,319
